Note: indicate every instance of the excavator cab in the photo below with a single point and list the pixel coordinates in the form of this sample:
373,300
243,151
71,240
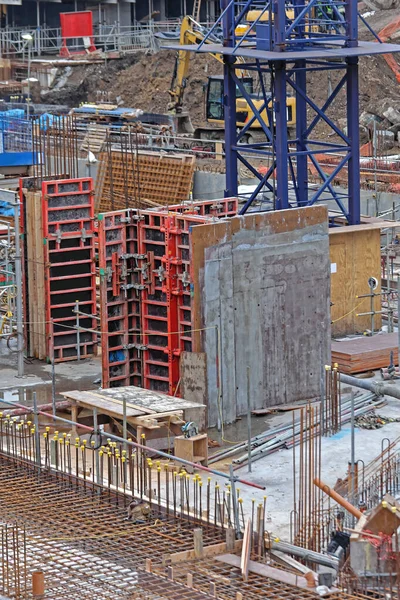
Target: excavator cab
215,99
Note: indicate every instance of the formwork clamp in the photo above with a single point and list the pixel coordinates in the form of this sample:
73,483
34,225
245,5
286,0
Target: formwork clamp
139,347
135,286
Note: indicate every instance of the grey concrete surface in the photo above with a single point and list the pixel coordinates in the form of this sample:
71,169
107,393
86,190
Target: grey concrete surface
267,292
276,471
37,377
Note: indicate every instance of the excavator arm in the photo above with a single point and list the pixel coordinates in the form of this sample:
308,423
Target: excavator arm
190,34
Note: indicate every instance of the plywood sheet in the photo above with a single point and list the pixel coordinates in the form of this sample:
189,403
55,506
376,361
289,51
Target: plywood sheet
355,257
193,369
144,401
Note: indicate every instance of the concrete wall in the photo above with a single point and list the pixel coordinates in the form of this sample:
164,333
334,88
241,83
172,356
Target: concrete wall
261,293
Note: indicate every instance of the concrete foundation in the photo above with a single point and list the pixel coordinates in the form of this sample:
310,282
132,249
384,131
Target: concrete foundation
263,301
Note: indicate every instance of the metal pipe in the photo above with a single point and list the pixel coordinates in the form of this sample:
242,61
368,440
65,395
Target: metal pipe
398,319
36,424
338,498
352,449
248,421
376,387
309,555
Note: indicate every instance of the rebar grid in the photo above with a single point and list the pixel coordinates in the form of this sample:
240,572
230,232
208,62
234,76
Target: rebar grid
228,581
80,538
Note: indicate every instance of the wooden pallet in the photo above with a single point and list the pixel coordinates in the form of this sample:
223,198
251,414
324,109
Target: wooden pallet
366,353
145,179
94,139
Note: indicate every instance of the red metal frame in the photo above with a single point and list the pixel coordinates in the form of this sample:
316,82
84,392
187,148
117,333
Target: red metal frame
70,270
75,25
149,324
119,300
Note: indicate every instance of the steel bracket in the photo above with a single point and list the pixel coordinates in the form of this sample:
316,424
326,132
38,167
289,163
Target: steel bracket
139,347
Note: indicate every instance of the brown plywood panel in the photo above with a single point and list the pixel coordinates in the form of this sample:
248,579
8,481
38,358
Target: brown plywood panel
366,353
355,256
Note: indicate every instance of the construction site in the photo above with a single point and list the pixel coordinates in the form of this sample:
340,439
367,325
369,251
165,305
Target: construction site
200,299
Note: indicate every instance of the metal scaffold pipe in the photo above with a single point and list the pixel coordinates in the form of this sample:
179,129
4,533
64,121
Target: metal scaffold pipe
377,387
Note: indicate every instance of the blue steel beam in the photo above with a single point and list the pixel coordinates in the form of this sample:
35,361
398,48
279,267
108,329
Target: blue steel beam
300,45
354,135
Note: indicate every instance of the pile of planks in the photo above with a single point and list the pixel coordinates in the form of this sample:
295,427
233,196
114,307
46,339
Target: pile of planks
366,353
142,179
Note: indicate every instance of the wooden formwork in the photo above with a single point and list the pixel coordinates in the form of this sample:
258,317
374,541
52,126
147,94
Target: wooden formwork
143,179
59,268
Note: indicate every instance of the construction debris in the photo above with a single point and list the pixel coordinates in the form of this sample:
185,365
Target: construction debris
374,421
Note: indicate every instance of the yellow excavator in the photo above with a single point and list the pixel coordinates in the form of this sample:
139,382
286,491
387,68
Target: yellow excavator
192,33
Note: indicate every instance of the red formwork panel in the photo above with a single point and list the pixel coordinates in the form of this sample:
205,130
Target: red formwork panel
70,270
148,252
120,301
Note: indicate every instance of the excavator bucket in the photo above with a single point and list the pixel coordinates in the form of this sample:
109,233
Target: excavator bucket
184,123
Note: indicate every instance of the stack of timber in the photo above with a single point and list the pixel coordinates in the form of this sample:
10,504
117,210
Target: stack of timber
366,353
142,179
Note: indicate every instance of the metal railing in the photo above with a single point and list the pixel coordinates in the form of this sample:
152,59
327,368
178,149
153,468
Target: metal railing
48,40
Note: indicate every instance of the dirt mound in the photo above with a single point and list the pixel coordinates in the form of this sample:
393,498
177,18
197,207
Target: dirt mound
142,81
145,84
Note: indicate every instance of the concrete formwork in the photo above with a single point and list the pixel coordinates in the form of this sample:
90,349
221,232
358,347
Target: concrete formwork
263,303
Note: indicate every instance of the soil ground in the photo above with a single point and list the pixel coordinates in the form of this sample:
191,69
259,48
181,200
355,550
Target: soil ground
143,80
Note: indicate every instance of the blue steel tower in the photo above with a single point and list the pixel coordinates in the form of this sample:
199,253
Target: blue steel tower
282,43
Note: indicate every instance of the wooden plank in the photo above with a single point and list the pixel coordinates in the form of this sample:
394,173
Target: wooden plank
193,371
366,353
87,399
246,549
279,408
208,552
265,571
40,281
150,401
32,273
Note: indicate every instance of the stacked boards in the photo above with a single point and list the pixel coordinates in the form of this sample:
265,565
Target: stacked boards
366,353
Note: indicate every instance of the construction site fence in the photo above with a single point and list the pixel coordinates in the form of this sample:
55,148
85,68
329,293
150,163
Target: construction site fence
48,40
